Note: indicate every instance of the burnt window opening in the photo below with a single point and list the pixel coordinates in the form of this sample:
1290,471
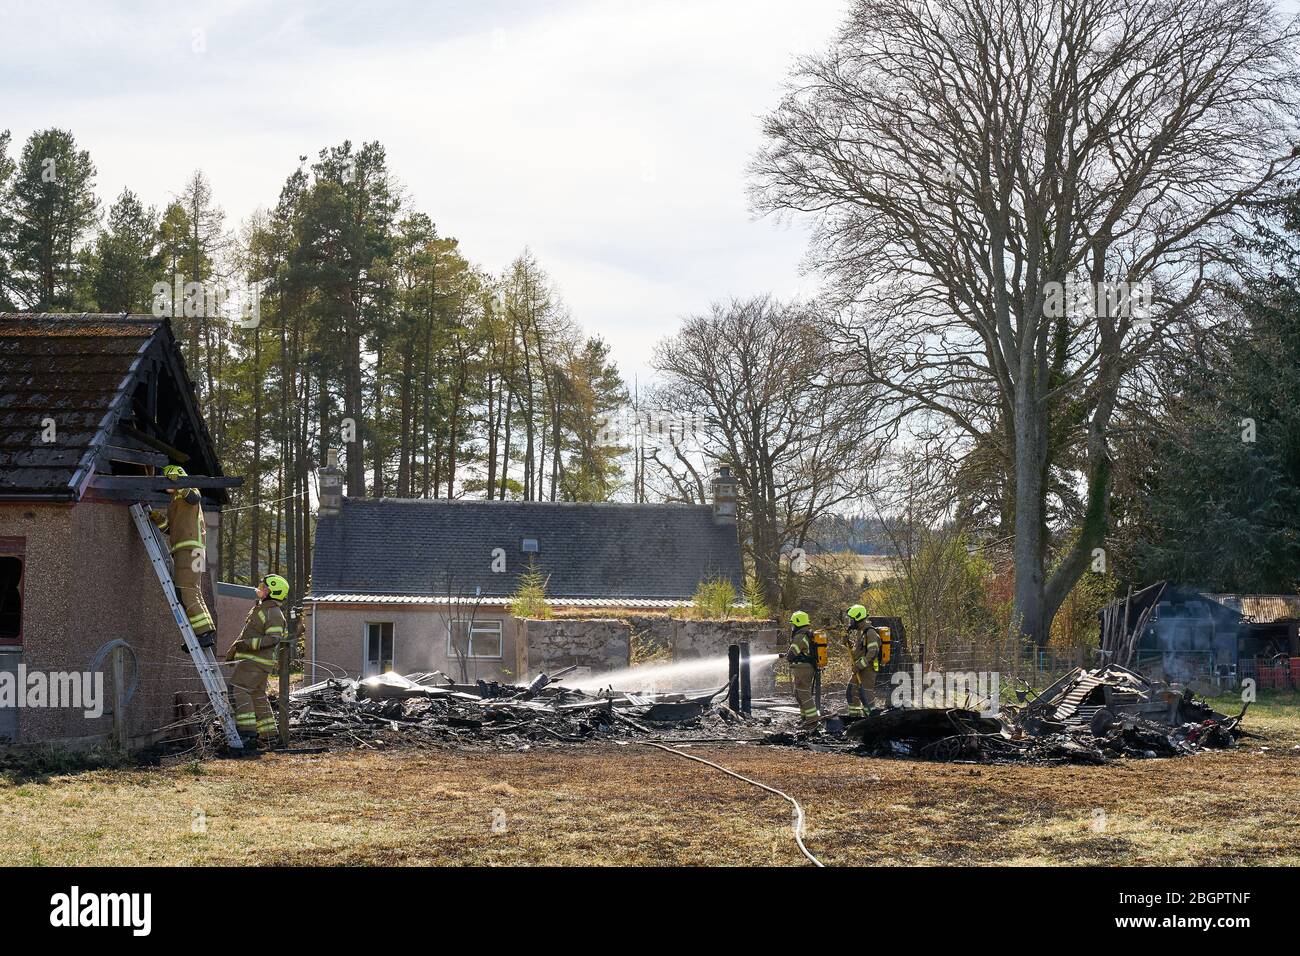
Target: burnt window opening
155,431
11,599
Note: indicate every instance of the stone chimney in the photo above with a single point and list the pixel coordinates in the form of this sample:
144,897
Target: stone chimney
724,495
331,485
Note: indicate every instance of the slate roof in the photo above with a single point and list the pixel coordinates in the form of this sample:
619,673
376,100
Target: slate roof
431,600
81,371
390,546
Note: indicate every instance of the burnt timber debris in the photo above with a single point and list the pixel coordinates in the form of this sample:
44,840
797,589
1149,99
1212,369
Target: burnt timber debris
1087,716
431,709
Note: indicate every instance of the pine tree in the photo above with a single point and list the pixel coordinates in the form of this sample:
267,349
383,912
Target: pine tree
8,227
529,599
53,207
126,261
593,398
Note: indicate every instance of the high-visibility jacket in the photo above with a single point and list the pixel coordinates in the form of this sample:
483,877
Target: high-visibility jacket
867,637
801,651
264,629
183,522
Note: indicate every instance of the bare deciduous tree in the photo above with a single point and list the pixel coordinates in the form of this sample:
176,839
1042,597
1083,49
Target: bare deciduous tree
968,161
755,374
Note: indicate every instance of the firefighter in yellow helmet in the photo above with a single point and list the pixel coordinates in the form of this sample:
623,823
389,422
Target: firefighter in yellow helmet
254,655
187,535
804,662
863,642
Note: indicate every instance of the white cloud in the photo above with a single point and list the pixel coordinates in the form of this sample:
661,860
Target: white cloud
612,138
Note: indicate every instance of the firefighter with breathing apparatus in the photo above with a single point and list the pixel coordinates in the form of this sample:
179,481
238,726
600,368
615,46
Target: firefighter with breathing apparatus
807,656
187,537
864,644
255,657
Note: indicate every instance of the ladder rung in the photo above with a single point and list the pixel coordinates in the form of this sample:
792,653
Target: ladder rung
204,660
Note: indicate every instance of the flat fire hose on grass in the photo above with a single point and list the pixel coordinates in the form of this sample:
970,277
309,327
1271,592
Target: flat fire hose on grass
798,810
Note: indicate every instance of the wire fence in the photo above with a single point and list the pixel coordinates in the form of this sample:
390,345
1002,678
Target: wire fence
1013,670
1276,673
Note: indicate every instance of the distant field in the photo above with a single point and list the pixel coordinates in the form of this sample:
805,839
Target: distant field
876,567
634,805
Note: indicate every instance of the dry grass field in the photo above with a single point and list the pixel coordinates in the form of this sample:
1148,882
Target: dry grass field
633,805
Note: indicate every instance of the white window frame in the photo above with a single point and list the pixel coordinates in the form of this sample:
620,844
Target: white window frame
365,647
489,625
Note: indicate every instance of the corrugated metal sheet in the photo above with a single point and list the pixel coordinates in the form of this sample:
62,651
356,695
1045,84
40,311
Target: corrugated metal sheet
1262,608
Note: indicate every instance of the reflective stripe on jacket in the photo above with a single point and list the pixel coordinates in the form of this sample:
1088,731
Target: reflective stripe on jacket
184,522
801,647
264,629
868,637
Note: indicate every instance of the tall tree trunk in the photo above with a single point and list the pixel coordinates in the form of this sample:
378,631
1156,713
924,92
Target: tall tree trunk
1030,523
356,466
505,443
492,412
453,439
377,449
254,565
404,452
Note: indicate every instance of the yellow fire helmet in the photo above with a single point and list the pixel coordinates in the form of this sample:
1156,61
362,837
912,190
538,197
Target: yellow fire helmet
799,619
277,587
174,472
857,613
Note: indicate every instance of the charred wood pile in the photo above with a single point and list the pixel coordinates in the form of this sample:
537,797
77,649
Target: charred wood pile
1087,716
431,709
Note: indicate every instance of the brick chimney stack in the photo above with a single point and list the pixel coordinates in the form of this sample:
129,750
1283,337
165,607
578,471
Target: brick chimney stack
724,495
331,485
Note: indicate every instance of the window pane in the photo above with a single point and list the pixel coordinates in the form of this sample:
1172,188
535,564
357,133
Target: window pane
487,640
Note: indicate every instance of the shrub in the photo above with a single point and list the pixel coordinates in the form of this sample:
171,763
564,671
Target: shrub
754,604
529,599
715,598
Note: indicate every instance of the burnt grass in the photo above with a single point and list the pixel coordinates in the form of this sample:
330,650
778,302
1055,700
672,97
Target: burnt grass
602,802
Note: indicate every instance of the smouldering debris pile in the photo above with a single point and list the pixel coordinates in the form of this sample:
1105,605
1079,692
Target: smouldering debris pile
430,708
1088,716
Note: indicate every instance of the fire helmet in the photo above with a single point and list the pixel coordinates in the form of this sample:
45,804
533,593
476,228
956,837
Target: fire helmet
277,587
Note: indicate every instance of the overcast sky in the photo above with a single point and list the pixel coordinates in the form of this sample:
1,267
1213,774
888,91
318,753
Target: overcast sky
611,137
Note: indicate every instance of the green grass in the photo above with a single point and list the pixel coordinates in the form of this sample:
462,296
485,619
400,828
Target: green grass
1275,711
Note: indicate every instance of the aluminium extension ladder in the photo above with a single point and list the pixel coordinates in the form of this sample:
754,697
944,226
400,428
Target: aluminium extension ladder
204,659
